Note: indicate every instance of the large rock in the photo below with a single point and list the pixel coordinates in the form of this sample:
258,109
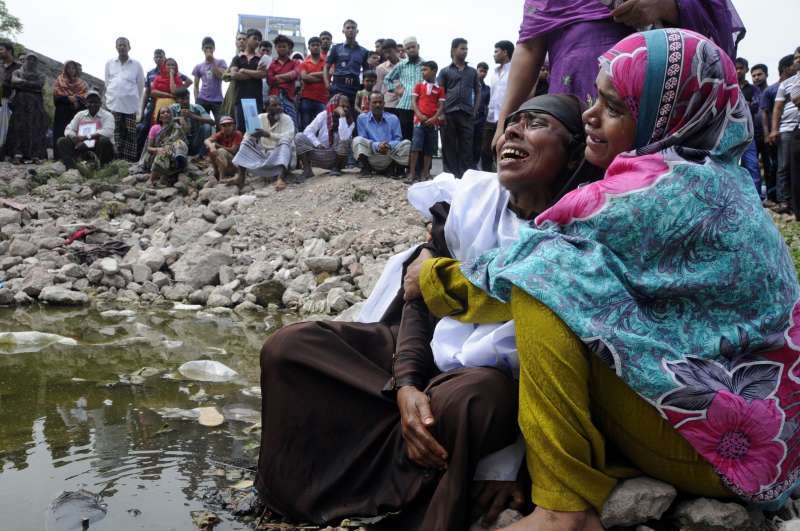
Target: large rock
8,216
22,248
109,266
791,525
199,266
303,283
706,514
152,257
323,264
636,501
259,271
313,247
178,292
62,296
6,297
189,232
336,301
35,281
268,292
367,281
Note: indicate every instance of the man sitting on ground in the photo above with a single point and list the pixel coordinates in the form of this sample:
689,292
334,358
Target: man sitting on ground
273,155
325,143
222,146
78,140
380,145
197,123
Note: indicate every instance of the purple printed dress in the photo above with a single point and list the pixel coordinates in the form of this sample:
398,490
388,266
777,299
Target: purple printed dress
580,31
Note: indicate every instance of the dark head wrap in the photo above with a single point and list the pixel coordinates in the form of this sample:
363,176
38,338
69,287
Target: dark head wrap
565,108
568,110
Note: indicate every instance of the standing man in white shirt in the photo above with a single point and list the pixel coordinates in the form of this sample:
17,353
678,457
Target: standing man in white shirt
503,50
124,87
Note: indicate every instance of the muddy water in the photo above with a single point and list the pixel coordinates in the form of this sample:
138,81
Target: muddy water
68,422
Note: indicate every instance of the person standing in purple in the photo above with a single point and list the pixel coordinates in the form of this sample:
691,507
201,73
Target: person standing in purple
208,80
574,33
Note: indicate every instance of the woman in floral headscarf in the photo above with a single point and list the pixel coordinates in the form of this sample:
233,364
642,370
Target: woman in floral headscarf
69,97
656,309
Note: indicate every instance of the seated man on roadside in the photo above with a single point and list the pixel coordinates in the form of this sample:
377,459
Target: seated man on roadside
325,143
77,142
269,150
380,145
197,123
222,146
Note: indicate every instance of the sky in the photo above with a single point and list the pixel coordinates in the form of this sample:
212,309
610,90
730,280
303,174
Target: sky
86,30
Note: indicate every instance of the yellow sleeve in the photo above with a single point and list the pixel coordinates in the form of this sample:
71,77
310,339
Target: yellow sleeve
447,293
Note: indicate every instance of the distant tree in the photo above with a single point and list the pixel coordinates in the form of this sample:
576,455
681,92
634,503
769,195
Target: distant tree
9,24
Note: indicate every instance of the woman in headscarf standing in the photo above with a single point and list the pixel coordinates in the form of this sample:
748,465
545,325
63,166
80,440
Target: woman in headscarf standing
27,131
657,310
69,97
165,85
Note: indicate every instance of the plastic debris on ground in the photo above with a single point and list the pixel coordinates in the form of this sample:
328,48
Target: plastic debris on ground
207,371
31,341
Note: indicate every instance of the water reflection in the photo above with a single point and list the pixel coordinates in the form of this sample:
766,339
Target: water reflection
67,423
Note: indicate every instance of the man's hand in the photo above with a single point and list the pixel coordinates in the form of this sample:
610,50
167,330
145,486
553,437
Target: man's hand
383,148
493,497
773,137
411,289
643,13
399,89
78,139
415,420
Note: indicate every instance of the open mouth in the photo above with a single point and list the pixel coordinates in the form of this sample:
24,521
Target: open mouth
513,154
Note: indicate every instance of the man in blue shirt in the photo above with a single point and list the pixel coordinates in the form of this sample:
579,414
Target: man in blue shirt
348,60
379,144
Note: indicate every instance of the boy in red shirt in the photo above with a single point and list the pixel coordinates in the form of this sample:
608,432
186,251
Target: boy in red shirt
362,96
427,101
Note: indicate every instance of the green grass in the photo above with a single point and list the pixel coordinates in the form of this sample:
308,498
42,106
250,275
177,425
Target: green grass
791,233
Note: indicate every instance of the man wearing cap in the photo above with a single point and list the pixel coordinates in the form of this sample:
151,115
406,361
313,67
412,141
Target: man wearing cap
401,82
222,146
91,131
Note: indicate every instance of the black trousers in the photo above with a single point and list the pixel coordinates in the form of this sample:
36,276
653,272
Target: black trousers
406,117
794,172
487,154
457,135
68,153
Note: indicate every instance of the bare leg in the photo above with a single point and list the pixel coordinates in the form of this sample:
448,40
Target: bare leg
280,183
215,164
546,520
427,160
305,158
239,179
412,165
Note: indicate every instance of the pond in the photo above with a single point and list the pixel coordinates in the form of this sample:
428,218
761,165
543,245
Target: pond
71,419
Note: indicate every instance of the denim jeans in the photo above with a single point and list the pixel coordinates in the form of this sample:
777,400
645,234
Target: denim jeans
211,107
309,109
750,163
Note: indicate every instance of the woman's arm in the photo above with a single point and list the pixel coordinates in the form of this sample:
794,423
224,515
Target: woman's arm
447,292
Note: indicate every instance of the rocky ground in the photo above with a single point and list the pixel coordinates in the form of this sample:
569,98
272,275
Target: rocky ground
315,249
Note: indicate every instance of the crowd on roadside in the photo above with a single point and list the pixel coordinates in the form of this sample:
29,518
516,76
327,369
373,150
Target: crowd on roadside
385,109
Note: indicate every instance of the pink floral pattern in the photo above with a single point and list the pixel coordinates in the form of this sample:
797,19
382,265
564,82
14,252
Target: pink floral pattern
740,439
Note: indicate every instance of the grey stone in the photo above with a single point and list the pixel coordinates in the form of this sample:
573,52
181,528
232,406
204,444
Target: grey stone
199,296
177,292
323,264
313,247
218,299
636,501
22,248
35,281
225,225
136,207
704,513
152,257
292,299
21,298
114,281
150,218
160,279
343,240
109,266
10,261
259,271
791,525
8,216
366,282
72,271
189,232
51,242
226,275
141,273
199,266
63,296
6,297
270,291
248,307
165,194
303,283
94,276
336,301
11,229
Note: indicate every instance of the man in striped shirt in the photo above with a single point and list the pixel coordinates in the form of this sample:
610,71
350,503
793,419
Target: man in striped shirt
401,82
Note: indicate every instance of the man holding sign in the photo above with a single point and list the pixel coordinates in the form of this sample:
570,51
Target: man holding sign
90,131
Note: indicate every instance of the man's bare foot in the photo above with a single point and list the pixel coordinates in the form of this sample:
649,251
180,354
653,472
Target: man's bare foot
237,181
547,520
280,184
